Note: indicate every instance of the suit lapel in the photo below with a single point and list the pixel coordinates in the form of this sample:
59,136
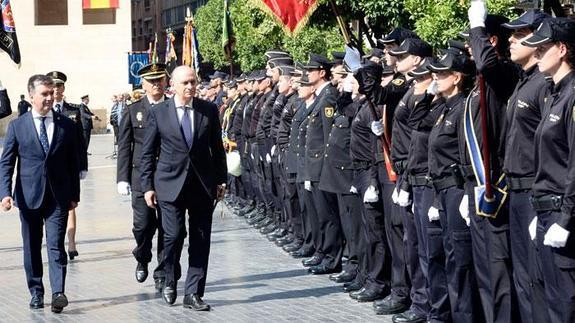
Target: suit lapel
198,119
56,125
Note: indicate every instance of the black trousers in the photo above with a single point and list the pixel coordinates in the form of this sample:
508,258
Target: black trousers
87,136
415,249
200,208
463,291
331,236
492,261
145,223
378,271
400,283
558,271
32,222
350,212
309,219
247,174
438,246
292,209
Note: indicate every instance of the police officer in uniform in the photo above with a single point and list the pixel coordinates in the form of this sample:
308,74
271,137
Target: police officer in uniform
71,111
132,132
523,114
553,187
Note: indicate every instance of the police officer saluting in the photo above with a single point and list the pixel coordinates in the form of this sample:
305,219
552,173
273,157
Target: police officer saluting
130,139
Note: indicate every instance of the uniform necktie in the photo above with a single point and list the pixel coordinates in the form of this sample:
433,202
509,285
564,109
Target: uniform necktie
58,107
44,135
186,125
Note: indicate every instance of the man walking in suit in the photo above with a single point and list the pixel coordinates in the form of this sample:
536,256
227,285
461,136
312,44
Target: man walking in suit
87,123
184,168
130,138
43,145
23,105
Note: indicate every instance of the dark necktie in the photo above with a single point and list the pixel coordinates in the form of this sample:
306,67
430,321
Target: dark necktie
58,108
186,125
44,135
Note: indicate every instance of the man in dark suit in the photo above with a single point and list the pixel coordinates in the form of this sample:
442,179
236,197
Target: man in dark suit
184,168
43,145
23,105
130,138
72,111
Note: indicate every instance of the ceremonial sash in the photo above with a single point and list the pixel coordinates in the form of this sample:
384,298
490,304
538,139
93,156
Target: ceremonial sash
487,207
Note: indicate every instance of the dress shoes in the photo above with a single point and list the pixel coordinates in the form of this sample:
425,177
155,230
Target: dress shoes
269,229
264,223
159,284
301,253
390,305
409,316
73,254
59,301
169,294
141,272
352,286
256,219
279,233
313,261
322,270
366,295
295,246
194,302
36,302
284,240
342,277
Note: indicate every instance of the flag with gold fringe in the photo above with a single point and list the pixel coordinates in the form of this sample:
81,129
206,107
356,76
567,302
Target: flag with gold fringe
8,39
190,48
292,15
100,4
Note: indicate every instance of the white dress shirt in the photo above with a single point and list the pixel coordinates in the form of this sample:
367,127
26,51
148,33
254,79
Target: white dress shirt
61,103
180,111
49,123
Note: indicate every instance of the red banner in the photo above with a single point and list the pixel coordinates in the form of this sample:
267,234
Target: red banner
292,14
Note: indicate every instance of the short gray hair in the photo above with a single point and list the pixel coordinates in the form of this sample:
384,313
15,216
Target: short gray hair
38,79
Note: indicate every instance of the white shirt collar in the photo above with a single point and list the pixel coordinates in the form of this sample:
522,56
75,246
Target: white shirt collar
179,103
36,115
321,87
61,103
156,102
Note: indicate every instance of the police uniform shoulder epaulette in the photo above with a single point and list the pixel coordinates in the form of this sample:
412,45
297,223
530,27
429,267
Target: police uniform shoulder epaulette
398,81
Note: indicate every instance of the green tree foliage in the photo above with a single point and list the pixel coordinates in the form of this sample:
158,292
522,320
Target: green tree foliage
256,33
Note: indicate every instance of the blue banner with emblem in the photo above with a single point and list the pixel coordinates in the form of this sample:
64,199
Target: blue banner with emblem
135,62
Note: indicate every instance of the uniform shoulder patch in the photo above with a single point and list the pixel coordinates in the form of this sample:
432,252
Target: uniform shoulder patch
398,82
329,111
139,116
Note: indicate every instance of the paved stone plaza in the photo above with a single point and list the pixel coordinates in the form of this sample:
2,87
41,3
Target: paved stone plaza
249,279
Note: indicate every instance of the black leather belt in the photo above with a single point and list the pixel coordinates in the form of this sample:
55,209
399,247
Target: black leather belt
547,203
520,183
418,180
361,164
447,182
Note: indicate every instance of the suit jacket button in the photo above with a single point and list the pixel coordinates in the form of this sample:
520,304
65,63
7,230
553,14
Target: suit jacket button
342,167
325,155
316,155
327,145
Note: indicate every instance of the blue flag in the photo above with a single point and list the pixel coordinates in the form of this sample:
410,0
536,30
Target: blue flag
135,62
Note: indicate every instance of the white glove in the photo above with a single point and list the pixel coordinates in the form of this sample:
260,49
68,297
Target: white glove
533,228
432,88
477,13
348,83
377,128
433,214
394,196
403,198
83,174
353,190
124,188
273,149
268,158
307,185
370,195
464,209
556,236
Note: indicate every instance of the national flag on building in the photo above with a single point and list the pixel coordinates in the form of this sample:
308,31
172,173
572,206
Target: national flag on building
8,39
100,4
228,38
292,15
